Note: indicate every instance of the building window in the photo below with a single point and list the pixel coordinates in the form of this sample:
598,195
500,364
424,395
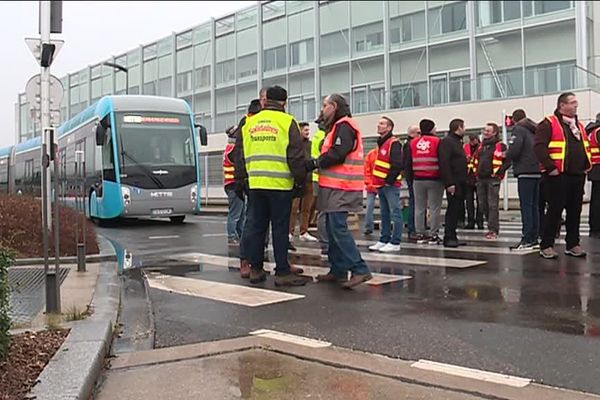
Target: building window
334,45
202,76
543,7
274,58
225,71
368,99
507,83
408,27
246,66
449,18
550,78
184,82
493,12
409,95
302,52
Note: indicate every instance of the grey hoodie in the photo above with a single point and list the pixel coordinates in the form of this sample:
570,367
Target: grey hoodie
520,150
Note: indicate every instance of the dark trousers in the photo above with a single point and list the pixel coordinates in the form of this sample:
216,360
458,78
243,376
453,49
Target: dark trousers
488,197
595,208
411,208
529,200
455,208
474,215
562,192
266,206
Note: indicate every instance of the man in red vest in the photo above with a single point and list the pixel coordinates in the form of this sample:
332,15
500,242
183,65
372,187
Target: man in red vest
593,130
563,149
423,165
387,180
236,214
474,215
371,191
490,166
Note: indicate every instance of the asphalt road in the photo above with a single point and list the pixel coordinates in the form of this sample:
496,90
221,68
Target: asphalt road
512,313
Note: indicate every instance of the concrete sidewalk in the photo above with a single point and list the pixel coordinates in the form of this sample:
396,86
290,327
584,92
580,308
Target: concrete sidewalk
261,367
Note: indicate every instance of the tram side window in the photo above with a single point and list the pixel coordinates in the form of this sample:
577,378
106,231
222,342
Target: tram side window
108,158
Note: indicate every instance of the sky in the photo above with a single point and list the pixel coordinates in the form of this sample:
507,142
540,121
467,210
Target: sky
92,31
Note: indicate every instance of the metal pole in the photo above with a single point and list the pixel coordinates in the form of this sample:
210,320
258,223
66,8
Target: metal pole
206,179
505,140
126,82
56,223
51,279
81,267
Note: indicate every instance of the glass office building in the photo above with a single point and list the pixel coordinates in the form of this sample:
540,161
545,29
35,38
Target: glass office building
382,55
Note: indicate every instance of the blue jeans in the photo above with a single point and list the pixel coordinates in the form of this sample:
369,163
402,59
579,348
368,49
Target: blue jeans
389,201
343,254
236,215
266,206
529,199
369,223
411,208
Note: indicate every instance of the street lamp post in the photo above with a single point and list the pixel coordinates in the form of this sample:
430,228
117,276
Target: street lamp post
122,69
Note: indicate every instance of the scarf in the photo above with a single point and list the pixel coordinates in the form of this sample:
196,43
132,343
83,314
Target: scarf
573,125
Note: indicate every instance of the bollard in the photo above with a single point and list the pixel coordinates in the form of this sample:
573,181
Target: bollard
52,293
80,257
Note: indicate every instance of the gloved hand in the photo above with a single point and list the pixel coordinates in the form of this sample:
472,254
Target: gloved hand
242,189
311,164
297,191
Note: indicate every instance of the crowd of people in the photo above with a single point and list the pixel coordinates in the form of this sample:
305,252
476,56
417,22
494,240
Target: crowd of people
274,174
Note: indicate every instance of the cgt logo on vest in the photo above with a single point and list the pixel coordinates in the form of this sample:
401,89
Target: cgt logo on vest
423,146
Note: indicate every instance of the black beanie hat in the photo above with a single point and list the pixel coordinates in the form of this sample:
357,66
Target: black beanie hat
276,93
426,125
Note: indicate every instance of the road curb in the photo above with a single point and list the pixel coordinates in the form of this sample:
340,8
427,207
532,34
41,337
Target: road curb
76,366
107,253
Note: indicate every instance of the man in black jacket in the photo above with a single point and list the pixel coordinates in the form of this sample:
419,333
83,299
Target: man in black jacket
593,130
413,132
527,171
491,166
453,167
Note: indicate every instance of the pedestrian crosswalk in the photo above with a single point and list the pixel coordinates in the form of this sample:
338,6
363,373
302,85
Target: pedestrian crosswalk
478,253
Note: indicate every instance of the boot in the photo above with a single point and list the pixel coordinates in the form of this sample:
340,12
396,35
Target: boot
245,269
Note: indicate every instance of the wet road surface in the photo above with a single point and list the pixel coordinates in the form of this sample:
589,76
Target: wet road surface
484,308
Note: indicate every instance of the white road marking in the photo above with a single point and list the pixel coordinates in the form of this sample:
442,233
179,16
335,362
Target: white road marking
214,234
286,337
500,239
517,232
486,376
405,259
309,270
225,292
378,278
464,249
163,237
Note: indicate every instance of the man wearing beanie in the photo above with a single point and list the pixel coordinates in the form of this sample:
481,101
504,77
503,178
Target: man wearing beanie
272,157
423,166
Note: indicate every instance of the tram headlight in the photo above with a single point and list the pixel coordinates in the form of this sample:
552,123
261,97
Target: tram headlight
194,194
126,196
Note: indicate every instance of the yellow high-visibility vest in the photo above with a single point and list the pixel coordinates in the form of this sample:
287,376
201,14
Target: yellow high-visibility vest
266,138
315,150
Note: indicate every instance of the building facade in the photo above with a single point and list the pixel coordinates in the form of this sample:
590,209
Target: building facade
409,59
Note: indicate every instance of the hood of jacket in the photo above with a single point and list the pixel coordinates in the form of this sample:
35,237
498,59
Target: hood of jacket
528,124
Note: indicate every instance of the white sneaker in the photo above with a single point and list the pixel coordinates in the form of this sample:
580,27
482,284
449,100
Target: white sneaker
390,248
377,246
307,237
291,238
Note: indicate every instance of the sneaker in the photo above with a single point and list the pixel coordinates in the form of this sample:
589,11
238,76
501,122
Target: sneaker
523,246
576,251
435,239
377,246
324,255
356,280
289,280
549,253
491,235
422,239
307,237
291,238
390,248
258,275
233,242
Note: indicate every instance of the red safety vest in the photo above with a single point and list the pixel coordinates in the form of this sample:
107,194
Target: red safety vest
595,146
557,148
228,166
350,175
470,158
382,166
497,159
425,161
